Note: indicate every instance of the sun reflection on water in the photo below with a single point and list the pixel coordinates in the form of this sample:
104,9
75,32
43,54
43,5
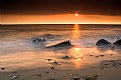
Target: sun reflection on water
76,31
78,57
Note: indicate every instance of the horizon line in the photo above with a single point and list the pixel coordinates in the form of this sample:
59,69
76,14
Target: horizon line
64,24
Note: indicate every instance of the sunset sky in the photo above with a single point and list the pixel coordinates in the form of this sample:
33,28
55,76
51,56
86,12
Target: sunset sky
61,12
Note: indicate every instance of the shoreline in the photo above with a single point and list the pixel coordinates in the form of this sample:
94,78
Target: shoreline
46,73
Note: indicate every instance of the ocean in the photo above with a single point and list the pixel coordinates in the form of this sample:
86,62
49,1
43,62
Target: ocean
17,51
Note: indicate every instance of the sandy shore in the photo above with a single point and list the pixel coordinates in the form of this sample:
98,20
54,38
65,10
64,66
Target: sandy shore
108,70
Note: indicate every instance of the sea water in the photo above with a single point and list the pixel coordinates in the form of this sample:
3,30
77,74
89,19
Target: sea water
18,52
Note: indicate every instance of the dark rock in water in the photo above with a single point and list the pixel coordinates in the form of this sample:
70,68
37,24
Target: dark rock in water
66,57
55,63
49,59
118,42
91,55
103,43
101,55
48,36
37,40
118,38
45,38
62,44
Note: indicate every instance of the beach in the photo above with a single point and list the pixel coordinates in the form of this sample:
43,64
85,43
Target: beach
46,73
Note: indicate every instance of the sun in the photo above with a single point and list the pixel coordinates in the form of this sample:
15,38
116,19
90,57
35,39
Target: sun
76,14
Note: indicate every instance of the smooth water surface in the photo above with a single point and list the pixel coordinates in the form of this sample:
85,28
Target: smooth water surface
18,52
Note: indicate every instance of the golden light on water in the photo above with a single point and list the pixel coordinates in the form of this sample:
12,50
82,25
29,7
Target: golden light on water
76,31
77,50
78,56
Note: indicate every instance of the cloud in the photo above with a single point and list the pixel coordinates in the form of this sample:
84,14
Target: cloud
52,7
60,19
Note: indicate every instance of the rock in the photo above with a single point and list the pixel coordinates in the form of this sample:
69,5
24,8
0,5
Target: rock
52,68
15,76
118,42
91,77
38,75
38,40
117,38
62,44
48,36
45,38
75,78
103,43
51,37
2,68
55,63
91,55
101,55
49,59
66,57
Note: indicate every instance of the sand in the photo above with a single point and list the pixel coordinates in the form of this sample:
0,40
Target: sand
108,70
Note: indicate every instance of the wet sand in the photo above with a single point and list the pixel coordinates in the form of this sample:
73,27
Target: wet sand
108,70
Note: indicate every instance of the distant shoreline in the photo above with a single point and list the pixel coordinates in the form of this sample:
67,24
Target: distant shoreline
62,24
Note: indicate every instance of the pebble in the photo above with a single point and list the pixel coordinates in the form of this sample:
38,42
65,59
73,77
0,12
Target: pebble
38,75
101,55
91,55
15,76
47,72
2,68
52,68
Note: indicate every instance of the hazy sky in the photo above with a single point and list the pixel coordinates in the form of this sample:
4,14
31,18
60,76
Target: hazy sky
61,11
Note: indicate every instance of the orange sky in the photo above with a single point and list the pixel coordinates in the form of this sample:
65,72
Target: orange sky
60,19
